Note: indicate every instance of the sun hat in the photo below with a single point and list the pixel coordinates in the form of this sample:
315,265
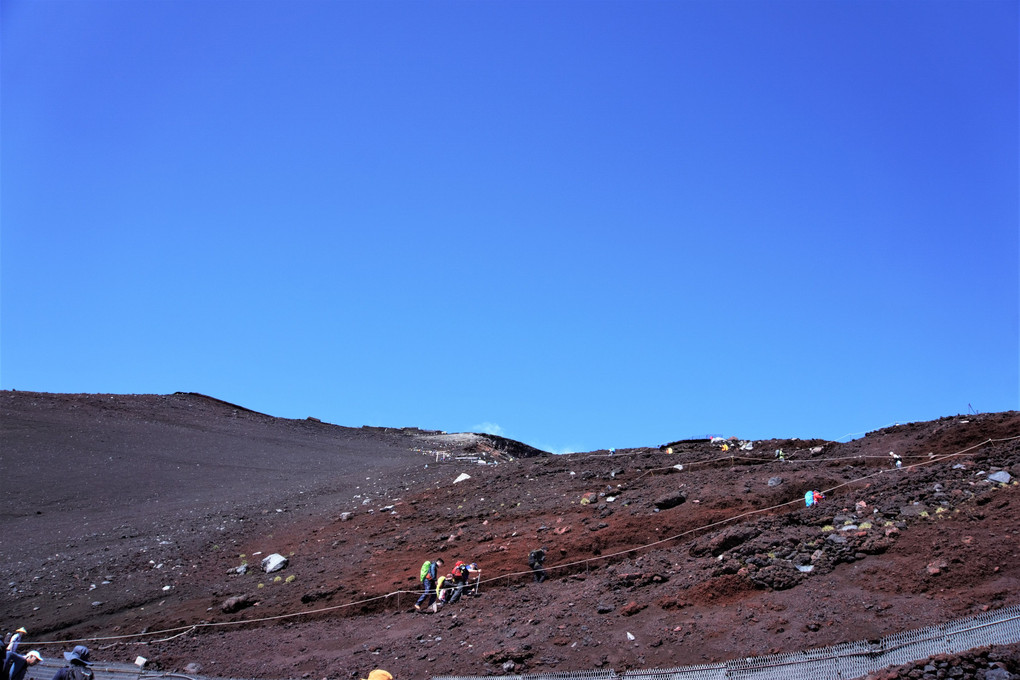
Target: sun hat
21,630
80,654
35,654
380,674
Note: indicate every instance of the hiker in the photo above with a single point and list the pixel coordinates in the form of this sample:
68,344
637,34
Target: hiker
429,571
12,642
444,588
78,668
813,497
462,575
19,664
379,674
535,560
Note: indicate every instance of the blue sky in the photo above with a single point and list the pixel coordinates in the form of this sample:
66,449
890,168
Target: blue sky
577,224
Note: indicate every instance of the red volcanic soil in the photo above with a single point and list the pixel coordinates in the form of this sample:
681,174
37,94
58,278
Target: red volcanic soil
126,518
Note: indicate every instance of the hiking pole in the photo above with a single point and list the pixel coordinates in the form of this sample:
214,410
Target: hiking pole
478,581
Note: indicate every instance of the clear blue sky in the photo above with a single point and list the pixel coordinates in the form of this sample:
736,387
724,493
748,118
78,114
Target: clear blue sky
578,224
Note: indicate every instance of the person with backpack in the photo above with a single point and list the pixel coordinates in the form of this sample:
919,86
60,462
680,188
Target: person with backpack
19,664
429,576
462,575
444,588
15,640
78,666
535,560
11,642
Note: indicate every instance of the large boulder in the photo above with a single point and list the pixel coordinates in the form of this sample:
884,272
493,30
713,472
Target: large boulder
235,604
670,500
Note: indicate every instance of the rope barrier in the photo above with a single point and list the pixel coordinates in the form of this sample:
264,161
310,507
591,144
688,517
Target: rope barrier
182,630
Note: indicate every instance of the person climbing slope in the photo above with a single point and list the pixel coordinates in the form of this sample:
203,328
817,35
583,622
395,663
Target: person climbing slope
78,665
444,589
462,575
20,664
535,560
429,576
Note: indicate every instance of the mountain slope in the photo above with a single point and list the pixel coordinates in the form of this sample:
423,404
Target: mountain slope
132,513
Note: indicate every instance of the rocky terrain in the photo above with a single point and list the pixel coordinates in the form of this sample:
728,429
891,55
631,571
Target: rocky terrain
139,522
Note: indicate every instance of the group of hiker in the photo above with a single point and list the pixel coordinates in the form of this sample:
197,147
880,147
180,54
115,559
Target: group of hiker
16,665
438,590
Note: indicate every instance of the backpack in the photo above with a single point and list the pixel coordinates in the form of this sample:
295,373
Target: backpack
535,557
425,570
459,572
77,672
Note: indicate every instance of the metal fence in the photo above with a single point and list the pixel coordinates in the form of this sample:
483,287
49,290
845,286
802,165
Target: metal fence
838,662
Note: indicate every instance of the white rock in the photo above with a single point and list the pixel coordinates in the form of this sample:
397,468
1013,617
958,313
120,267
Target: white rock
274,562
